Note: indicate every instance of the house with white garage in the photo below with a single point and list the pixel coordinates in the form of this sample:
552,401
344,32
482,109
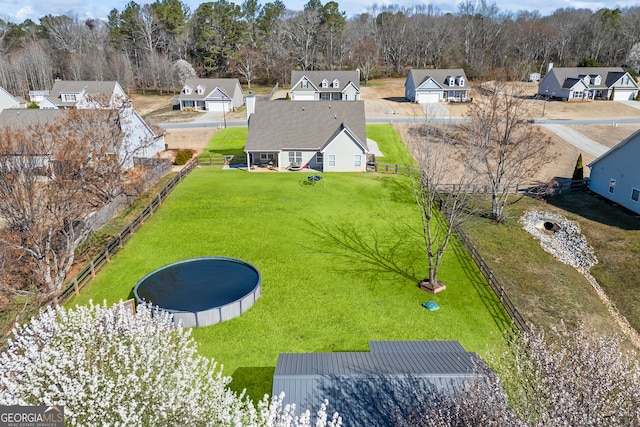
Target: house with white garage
615,174
211,95
432,86
588,83
376,387
292,136
138,138
331,85
83,94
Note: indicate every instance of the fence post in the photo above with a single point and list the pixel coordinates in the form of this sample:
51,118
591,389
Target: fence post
386,168
107,256
93,270
75,286
397,169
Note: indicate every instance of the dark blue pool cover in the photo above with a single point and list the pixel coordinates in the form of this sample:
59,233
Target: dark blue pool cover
198,283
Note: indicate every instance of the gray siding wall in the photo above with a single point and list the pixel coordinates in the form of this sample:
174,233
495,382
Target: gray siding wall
621,165
345,150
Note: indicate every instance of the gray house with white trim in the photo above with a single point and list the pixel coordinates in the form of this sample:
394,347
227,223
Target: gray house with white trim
140,140
211,95
588,83
615,174
336,85
375,388
84,94
438,85
322,136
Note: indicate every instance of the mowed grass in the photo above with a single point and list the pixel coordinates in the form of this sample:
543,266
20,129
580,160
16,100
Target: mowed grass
390,144
313,299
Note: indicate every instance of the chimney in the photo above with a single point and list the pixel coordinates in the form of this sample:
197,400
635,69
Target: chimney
549,66
250,102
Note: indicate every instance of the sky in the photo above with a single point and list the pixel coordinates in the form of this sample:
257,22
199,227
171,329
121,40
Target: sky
18,10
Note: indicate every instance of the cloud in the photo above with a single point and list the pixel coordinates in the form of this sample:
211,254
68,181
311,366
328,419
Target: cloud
24,13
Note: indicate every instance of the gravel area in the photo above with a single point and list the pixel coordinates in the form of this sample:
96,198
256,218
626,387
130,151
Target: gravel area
562,238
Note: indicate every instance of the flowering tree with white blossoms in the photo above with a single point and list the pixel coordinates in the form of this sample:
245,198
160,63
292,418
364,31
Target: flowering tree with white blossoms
110,366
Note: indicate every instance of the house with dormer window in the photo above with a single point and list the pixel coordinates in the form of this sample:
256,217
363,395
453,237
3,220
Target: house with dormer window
306,135
325,85
432,86
82,94
588,83
211,95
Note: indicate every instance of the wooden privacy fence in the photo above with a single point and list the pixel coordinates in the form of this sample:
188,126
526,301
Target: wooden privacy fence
89,271
497,287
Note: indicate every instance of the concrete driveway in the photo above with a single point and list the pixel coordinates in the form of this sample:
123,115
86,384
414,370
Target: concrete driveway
577,139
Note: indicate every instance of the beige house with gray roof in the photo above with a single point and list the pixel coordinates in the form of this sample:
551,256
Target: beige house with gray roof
588,83
325,85
321,136
211,95
84,94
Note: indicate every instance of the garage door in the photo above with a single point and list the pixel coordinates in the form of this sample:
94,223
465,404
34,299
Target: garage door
429,98
303,97
623,95
216,106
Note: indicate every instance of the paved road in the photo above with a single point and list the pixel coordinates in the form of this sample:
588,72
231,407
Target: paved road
577,139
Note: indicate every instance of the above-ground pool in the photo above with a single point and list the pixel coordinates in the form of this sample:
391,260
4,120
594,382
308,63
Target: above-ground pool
201,291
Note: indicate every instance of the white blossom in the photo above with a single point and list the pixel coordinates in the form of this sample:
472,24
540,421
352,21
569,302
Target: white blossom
113,367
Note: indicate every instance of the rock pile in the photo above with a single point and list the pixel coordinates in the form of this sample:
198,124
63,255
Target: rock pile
564,240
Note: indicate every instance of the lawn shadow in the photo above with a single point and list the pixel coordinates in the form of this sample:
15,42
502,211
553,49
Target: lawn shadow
366,251
488,297
256,380
400,190
596,208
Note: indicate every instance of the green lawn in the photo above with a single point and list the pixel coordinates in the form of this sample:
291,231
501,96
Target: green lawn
314,298
390,144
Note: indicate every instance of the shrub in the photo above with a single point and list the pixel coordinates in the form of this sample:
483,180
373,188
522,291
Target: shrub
111,366
183,156
578,171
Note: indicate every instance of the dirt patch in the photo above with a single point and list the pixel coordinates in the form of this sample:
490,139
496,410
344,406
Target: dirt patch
193,138
609,135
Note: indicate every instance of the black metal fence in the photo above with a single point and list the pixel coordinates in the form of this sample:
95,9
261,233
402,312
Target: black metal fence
89,271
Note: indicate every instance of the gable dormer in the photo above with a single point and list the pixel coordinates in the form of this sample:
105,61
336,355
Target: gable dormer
336,83
69,97
585,78
450,80
460,80
325,83
187,90
200,90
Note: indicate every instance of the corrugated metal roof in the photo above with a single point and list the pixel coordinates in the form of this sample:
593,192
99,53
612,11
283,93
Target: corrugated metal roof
375,363
419,346
373,388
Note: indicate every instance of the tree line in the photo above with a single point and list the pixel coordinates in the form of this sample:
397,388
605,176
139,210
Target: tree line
141,45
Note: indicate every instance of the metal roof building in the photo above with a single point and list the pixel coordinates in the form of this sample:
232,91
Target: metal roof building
375,387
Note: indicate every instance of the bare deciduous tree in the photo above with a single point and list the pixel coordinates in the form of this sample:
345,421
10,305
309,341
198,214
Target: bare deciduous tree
509,148
442,188
42,199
